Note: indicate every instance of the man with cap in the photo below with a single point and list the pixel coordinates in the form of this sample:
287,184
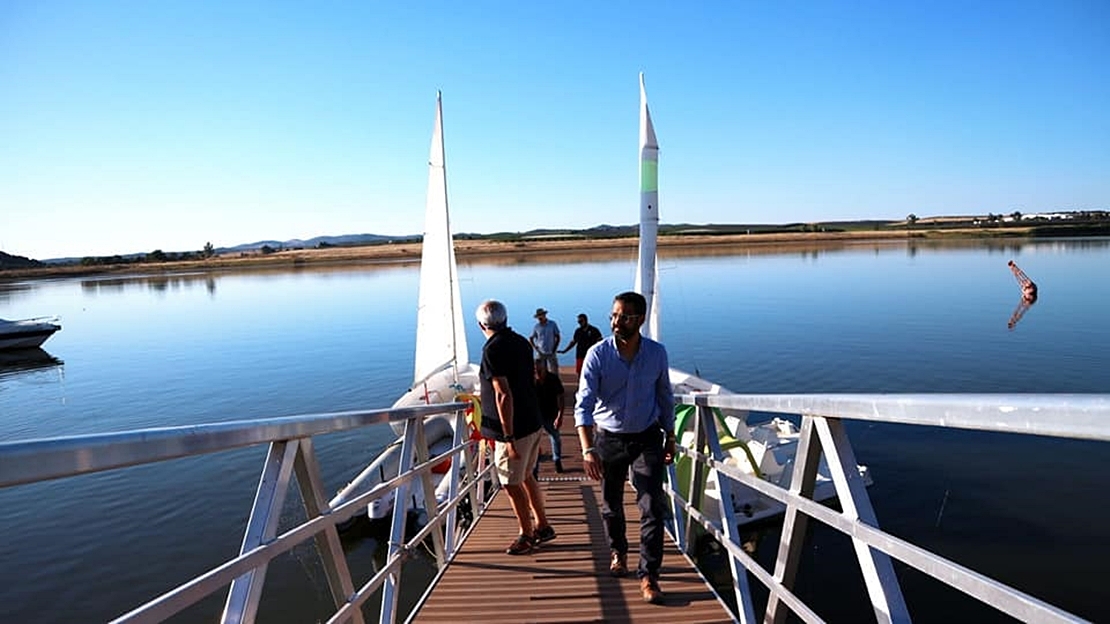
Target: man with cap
545,340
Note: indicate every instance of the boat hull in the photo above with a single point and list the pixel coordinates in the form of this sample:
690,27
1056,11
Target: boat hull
26,334
440,436
441,387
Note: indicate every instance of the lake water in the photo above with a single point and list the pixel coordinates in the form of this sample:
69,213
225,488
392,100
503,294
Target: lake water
145,351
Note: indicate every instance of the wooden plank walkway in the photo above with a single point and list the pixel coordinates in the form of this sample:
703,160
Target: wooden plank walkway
566,580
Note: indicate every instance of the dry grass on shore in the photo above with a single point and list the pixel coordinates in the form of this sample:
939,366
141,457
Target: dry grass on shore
492,251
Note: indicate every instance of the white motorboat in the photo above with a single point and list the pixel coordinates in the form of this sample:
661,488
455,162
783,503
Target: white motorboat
766,449
27,333
442,371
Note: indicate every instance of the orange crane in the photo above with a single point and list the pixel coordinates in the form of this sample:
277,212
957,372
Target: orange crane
1028,288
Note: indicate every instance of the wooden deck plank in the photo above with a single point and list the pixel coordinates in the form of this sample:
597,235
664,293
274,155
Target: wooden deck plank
567,579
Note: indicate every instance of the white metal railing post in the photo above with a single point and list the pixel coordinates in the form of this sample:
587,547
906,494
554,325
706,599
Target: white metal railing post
676,507
695,487
474,489
487,483
330,549
431,505
740,587
392,581
791,541
245,592
878,570
458,469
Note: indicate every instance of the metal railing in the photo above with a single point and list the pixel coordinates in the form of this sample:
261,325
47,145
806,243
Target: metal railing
291,452
822,417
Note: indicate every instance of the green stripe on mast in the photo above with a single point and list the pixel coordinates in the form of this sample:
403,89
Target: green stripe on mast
649,176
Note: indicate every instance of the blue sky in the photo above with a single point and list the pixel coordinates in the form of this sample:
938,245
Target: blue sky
134,126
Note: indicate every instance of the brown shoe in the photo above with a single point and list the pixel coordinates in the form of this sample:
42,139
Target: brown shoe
649,587
618,563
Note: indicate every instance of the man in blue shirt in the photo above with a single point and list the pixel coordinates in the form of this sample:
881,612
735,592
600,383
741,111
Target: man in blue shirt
545,340
625,418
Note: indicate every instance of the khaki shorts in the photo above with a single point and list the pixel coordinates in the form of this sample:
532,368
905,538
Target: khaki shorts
515,471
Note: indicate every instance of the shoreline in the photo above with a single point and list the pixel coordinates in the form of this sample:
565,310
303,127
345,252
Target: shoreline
572,248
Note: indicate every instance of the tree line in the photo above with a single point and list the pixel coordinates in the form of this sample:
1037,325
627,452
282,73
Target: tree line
157,255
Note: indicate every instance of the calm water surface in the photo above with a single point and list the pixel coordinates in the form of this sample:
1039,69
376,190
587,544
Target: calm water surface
147,351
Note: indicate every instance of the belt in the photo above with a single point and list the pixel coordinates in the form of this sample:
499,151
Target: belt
631,436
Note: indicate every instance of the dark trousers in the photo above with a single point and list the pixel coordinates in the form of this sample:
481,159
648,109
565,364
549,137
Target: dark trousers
643,452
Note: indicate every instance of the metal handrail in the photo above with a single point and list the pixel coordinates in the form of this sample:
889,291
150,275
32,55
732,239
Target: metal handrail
1056,415
1078,416
28,461
291,450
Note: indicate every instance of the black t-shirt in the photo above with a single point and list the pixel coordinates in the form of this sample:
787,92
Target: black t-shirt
508,354
548,395
584,338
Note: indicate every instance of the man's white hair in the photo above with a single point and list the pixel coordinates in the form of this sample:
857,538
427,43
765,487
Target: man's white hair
492,314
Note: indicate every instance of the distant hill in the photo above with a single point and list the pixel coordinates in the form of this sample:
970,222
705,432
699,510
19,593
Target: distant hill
343,240
8,261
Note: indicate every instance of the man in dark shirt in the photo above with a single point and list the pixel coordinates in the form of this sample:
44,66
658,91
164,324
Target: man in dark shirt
584,338
549,391
512,419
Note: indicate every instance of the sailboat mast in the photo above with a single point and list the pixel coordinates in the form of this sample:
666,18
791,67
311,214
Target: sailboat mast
440,339
647,280
453,278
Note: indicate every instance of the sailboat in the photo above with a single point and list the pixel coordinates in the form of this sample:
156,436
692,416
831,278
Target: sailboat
442,370
765,449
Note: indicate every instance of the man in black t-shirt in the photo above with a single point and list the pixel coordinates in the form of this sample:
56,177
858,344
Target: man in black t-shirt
584,337
549,392
511,417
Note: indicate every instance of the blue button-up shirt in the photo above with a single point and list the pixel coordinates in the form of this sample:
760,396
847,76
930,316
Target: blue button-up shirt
623,396
543,337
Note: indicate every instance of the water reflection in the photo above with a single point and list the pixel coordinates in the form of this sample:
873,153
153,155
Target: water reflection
1022,307
209,280
18,361
158,283
1028,294
512,258
10,291
709,247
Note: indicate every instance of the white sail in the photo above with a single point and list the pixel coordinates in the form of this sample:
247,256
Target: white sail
443,372
440,339
647,279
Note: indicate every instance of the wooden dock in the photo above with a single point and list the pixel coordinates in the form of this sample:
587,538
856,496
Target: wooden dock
567,579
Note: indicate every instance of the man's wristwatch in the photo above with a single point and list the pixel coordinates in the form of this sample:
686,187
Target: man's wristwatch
586,452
